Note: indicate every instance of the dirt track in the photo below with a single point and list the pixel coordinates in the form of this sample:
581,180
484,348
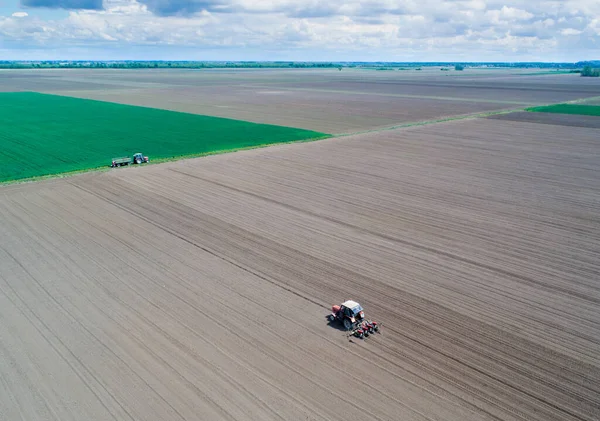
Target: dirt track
199,289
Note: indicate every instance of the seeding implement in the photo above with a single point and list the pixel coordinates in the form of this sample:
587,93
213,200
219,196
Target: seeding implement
364,329
352,316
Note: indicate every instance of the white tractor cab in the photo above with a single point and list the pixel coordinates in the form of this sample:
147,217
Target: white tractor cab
350,313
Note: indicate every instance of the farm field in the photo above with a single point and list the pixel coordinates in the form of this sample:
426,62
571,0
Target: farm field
50,134
574,109
574,120
198,289
326,101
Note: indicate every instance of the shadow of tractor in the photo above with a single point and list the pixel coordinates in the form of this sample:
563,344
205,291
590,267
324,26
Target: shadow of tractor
335,324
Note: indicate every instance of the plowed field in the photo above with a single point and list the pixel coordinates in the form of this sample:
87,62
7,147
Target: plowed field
326,101
199,289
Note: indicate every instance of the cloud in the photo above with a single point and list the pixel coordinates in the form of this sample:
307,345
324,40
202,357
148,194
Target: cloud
64,4
187,7
313,29
20,14
319,10
512,13
508,15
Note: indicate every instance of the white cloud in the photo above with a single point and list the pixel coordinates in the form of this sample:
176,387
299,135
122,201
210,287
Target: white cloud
20,14
391,29
512,13
507,15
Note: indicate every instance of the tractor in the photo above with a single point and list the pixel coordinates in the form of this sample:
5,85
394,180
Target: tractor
138,158
352,316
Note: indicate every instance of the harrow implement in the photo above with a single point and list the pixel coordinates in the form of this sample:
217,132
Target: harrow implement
364,329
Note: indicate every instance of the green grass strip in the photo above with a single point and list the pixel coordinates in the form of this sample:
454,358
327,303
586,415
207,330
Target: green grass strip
44,135
153,162
578,109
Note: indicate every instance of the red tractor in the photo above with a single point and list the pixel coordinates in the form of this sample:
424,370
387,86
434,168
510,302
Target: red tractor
352,315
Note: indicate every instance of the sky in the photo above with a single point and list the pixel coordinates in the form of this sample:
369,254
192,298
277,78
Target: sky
301,30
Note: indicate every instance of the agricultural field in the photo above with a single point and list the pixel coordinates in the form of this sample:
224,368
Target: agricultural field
327,101
574,109
199,288
49,134
574,120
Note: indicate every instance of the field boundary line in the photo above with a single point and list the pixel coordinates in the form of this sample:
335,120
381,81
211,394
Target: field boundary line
438,98
436,121
158,161
266,145
582,100
463,117
331,136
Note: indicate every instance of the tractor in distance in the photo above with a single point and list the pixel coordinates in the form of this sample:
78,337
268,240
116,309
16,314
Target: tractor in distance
352,316
137,158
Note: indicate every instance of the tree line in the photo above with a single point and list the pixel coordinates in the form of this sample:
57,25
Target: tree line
590,68
589,71
158,65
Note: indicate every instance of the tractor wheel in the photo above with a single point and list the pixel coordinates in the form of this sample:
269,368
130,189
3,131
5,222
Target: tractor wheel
361,336
331,318
138,161
347,324
376,328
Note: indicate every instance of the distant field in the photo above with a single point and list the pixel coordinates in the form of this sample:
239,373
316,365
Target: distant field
568,109
325,100
47,134
572,120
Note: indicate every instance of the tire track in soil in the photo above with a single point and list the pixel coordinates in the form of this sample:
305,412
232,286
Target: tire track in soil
286,258
247,269
487,297
280,356
223,412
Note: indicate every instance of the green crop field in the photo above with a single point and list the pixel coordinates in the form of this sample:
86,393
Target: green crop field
568,109
48,134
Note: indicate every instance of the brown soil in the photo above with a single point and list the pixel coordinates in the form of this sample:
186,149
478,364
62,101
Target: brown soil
199,289
328,101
